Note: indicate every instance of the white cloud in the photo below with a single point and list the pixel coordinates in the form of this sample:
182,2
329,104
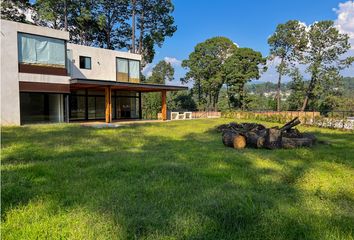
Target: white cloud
345,19
174,61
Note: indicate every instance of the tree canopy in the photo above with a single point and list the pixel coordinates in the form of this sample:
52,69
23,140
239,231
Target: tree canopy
161,73
204,67
242,66
324,56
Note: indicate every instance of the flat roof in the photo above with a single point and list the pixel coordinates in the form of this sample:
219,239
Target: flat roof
141,87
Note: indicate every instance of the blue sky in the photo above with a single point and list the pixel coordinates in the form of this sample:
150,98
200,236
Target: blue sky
248,23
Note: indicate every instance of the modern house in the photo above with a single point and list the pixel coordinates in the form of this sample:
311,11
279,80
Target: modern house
44,78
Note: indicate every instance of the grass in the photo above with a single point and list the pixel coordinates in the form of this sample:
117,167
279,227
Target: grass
171,180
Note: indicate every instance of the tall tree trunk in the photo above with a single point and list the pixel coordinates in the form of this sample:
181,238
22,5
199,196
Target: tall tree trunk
279,84
108,38
133,25
199,93
241,97
228,96
309,90
65,15
141,32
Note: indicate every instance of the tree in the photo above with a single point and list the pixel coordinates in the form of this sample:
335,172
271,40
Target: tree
205,65
161,73
242,66
287,41
153,21
111,17
323,54
14,10
181,101
53,13
84,27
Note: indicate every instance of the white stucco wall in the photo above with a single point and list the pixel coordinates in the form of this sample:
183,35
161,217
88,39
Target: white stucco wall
10,100
103,62
10,77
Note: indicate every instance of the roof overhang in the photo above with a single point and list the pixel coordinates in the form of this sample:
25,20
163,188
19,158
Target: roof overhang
79,83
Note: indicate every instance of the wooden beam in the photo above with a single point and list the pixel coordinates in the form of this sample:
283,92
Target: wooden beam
164,105
108,104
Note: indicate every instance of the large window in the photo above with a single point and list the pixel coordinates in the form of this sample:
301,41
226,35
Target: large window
41,107
128,70
134,72
87,105
42,51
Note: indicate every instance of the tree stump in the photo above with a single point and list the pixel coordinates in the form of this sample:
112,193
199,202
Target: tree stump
273,138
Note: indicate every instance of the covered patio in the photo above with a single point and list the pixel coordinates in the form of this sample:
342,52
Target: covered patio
111,86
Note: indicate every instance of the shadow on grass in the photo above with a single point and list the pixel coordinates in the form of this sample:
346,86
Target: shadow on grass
158,185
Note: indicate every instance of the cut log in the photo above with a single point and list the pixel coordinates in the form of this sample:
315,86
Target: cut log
228,138
233,139
252,127
273,138
239,141
239,136
292,133
296,142
290,124
254,140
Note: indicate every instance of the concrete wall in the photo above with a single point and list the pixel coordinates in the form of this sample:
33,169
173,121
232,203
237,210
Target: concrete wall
10,77
103,62
10,97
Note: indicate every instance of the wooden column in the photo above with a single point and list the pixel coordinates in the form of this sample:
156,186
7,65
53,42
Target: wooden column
164,105
108,104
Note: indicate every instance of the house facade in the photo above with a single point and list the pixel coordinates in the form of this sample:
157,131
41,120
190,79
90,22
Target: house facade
44,78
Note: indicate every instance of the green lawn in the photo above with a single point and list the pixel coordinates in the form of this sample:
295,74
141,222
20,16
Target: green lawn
171,180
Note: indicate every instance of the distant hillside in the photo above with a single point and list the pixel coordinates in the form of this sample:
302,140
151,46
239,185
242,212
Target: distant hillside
348,86
269,88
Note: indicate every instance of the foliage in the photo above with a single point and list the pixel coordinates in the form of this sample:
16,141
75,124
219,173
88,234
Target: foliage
161,73
297,87
53,13
171,180
285,44
151,105
110,18
154,21
181,101
13,10
204,67
324,56
242,66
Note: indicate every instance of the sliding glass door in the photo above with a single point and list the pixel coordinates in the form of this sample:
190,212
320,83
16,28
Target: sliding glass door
90,105
125,105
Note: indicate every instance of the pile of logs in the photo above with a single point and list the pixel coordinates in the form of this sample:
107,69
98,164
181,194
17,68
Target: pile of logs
258,136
